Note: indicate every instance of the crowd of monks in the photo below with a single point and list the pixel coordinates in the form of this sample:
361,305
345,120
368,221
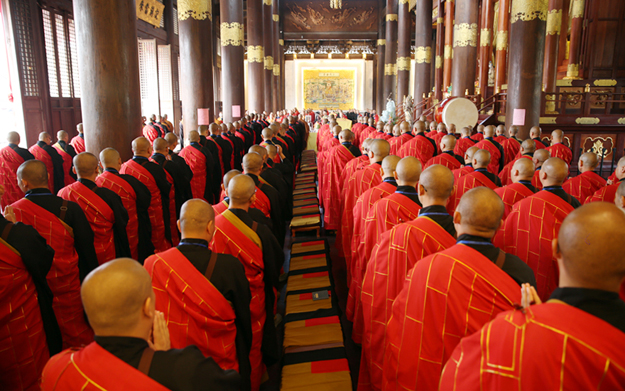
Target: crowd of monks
449,238
160,272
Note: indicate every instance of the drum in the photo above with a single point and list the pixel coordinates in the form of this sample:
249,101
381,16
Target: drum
458,111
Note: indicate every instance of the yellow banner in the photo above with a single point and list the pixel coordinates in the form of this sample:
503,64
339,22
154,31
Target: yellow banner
329,89
151,11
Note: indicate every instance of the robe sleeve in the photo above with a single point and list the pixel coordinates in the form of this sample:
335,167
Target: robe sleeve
83,240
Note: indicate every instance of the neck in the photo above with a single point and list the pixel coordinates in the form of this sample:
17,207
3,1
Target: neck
89,178
235,205
196,235
464,230
568,282
480,167
142,154
425,201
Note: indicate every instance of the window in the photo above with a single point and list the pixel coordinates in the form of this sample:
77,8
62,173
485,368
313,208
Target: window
165,80
175,11
148,77
50,54
23,31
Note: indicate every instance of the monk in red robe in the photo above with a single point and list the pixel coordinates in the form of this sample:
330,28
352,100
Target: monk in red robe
479,136
200,165
221,330
500,134
132,346
607,193
479,177
511,145
28,318
103,208
522,173
536,220
497,158
153,176
575,340
587,182
151,130
11,157
468,167
50,157
447,158
392,258
78,142
558,149
64,226
136,199
405,136
540,157
336,159
450,295
527,151
464,142
67,152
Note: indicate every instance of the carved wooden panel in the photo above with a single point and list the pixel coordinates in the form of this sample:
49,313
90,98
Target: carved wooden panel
317,16
596,142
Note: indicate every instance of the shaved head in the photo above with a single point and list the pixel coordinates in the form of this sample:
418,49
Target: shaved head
203,130
114,294
272,150
346,135
588,251
45,137
336,130
420,126
241,189
161,145
79,128
588,161
229,175
259,150
556,171
405,127
366,143
267,133
195,215
513,131
109,157
252,163
438,182
408,171
500,130
448,143
140,145
380,148
465,131
619,199
522,170
480,211
557,136
481,159
13,137
34,172
535,132
62,135
86,164
172,139
468,155
214,128
389,165
489,131
194,137
541,156
528,146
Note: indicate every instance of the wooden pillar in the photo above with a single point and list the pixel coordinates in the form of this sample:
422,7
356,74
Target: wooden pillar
404,38
577,20
255,57
282,79
486,45
268,61
196,61
527,49
449,37
390,55
440,46
276,58
106,33
380,98
423,53
232,53
501,53
465,48
550,66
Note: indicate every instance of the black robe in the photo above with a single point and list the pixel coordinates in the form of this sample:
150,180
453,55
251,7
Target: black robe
158,173
57,163
276,208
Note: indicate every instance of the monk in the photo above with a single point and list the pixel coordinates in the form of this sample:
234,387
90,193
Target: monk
447,158
535,221
154,177
66,229
201,163
527,149
468,167
511,145
135,197
132,346
51,158
78,141
464,142
500,134
185,170
497,158
540,157
535,134
606,194
152,131
213,148
587,182
274,179
479,136
521,174
479,177
254,213
577,334
393,257
402,138
28,318
421,147
67,152
103,208
285,167
451,294
224,147
208,302
170,126
557,149
11,157
336,160
256,248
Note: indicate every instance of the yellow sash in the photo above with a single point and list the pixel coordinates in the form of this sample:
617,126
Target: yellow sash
241,226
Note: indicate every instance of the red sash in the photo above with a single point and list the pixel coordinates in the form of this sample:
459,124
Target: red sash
78,143
150,132
234,237
512,194
262,203
128,196
220,207
40,154
20,325
67,164
100,216
93,369
63,277
9,163
156,204
197,162
195,311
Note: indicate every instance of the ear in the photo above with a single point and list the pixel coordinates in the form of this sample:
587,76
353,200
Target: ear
253,199
457,218
178,225
555,249
73,170
210,228
148,308
474,163
420,190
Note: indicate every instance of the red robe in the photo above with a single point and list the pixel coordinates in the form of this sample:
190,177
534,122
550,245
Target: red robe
462,144
419,147
63,277
156,204
510,148
398,142
495,155
477,137
129,198
40,154
446,296
262,203
234,237
584,185
93,369
536,182
437,137
539,145
605,194
506,172
150,132
220,207
9,163
501,139
512,194
466,183
553,346
195,311
20,325
173,219
197,163
393,257
100,217
460,172
78,143
67,164
562,151
337,158
444,159
529,231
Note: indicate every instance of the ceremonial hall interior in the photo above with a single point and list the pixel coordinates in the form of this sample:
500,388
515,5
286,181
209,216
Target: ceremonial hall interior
324,195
